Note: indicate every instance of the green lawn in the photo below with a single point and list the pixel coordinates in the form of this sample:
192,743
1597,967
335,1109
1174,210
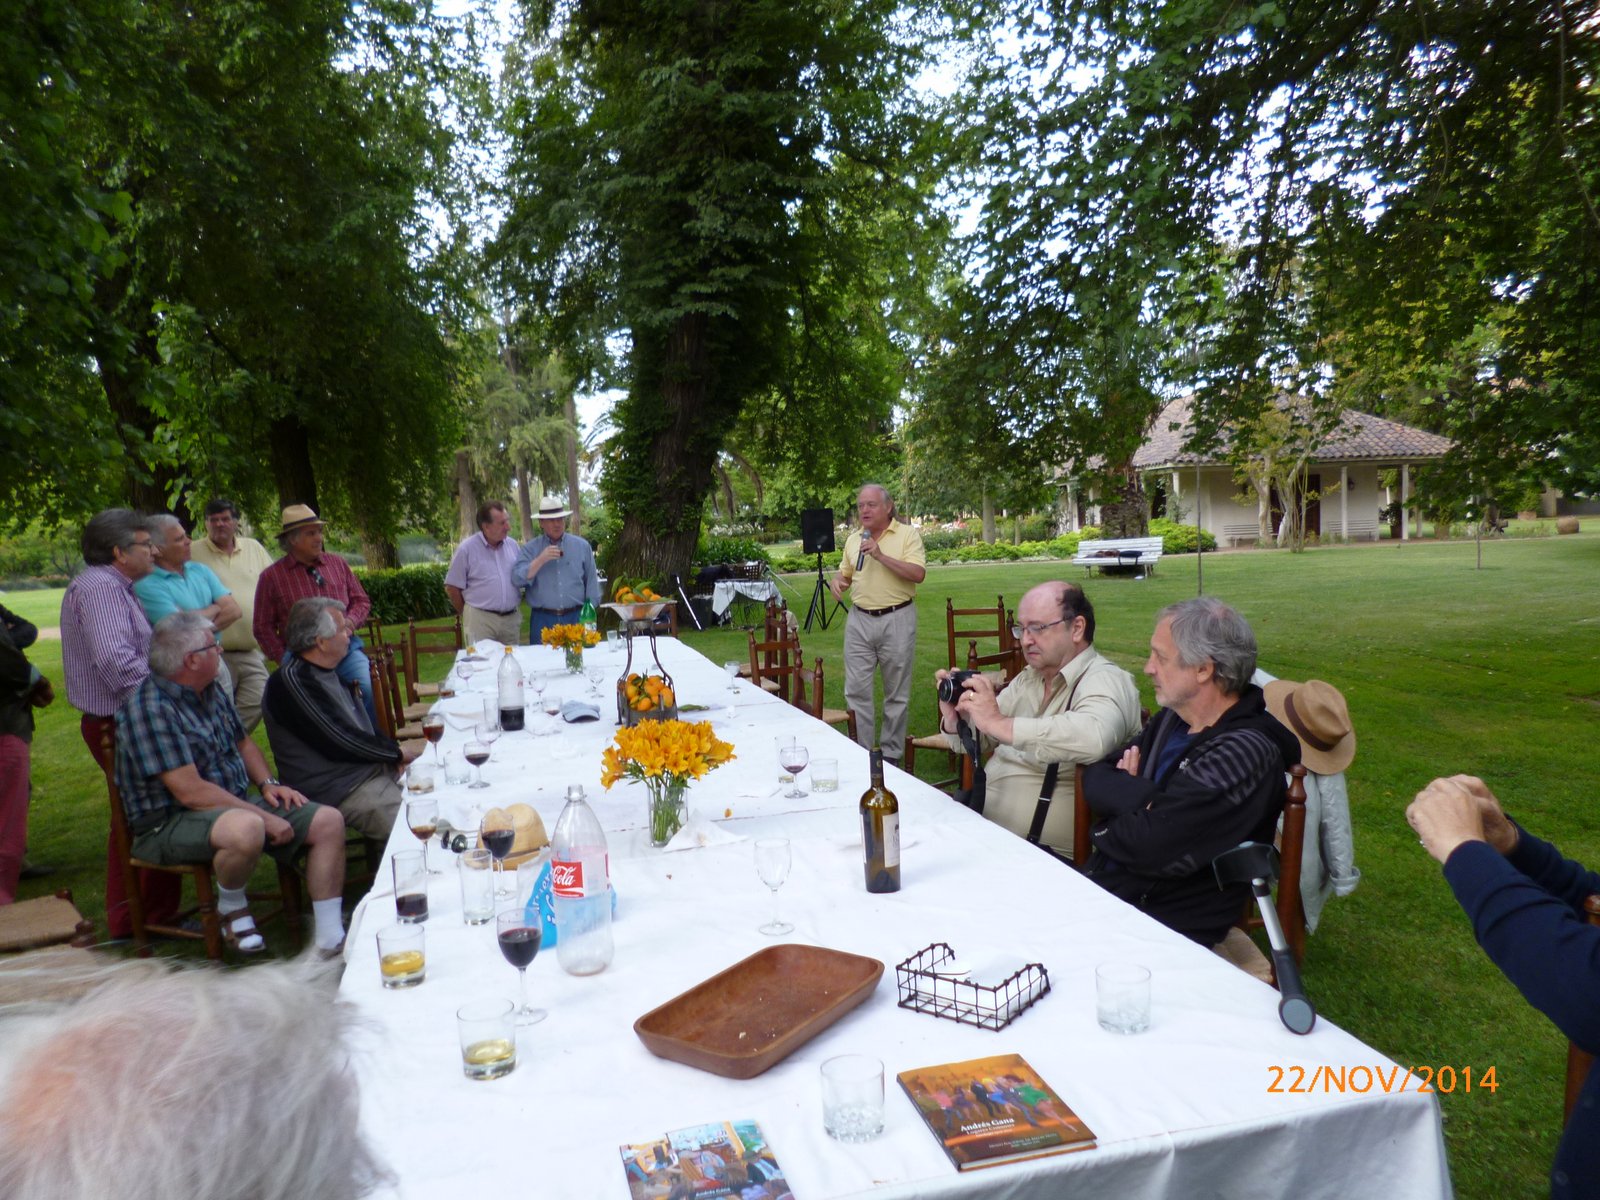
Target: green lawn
1446,668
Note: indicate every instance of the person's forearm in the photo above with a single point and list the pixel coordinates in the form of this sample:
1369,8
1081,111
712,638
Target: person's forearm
227,611
457,599
914,572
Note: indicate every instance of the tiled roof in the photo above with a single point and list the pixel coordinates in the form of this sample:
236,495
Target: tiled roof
1360,437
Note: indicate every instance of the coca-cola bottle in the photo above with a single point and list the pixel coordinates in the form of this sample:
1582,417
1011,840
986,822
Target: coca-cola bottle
580,878
511,704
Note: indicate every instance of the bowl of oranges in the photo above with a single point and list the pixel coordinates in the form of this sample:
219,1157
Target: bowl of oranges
637,602
647,697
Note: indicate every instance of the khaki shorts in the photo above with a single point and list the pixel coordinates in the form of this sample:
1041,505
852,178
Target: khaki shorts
370,809
185,837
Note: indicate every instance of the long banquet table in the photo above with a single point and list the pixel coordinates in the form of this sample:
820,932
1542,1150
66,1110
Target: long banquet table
1186,1109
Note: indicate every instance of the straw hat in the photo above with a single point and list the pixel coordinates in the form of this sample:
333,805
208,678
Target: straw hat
550,508
1317,715
298,516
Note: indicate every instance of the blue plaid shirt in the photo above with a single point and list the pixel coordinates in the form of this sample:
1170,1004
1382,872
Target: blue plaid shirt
162,726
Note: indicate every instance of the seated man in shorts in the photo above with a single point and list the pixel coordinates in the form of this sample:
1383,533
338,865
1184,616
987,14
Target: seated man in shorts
184,768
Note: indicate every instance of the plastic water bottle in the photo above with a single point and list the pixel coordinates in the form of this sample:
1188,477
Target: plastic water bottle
580,877
512,712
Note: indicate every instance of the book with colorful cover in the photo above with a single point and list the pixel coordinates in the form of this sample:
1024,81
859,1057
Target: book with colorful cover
701,1162
994,1110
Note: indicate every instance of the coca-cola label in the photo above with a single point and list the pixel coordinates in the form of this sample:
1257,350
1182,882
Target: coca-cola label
566,878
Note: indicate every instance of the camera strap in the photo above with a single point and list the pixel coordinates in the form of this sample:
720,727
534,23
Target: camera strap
1047,789
975,796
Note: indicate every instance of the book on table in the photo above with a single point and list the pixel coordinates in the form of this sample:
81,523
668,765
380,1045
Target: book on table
989,1111
722,1158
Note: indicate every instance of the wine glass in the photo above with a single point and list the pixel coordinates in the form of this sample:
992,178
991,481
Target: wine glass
772,864
422,817
488,734
464,669
732,668
536,685
476,753
498,839
519,942
596,674
793,758
433,730
780,743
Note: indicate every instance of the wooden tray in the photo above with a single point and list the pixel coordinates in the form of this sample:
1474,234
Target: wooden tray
756,1013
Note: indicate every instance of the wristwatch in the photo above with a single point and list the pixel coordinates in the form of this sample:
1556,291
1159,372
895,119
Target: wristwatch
269,781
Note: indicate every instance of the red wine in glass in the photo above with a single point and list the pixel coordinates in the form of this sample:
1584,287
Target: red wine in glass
433,730
499,841
521,945
412,907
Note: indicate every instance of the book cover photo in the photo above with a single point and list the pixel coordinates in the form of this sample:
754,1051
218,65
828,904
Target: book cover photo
702,1162
994,1110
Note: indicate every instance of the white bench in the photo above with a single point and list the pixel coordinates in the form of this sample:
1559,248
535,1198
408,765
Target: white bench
1143,553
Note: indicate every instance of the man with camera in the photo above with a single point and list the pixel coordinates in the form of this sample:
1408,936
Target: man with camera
1068,706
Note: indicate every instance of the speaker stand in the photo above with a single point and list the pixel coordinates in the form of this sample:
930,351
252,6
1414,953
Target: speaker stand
820,598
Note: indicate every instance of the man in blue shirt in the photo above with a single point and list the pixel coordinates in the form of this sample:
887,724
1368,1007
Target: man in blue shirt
180,585
556,572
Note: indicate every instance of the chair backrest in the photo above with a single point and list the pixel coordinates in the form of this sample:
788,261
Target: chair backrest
808,689
986,623
777,660
385,688
437,638
372,632
120,839
1291,846
1579,1061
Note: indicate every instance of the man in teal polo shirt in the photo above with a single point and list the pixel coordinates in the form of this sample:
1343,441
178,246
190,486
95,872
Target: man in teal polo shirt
179,585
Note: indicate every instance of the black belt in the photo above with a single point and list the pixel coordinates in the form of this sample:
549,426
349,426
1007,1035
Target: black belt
558,612
496,612
884,612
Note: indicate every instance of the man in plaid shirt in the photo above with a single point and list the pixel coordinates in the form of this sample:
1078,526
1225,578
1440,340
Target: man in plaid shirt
303,571
185,766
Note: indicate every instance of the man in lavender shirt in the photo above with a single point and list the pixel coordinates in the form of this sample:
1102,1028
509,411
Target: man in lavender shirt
479,579
105,639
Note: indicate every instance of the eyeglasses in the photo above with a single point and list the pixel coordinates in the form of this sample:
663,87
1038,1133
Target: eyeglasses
316,576
147,544
207,648
1035,630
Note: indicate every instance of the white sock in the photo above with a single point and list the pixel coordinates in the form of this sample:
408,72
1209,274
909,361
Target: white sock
230,900
329,916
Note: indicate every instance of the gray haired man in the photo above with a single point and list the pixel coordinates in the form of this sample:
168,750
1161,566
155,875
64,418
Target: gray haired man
322,740
1204,775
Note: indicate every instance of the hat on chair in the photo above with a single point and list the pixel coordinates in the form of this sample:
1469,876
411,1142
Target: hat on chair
550,508
299,516
1317,715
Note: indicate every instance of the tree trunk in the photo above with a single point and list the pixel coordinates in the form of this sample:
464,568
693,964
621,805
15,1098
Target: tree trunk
1123,513
291,463
988,518
574,479
466,495
380,552
525,503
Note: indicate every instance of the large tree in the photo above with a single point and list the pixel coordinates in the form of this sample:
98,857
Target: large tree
682,175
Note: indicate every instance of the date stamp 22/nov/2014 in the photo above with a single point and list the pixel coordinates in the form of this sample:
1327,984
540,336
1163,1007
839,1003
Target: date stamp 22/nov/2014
1325,1079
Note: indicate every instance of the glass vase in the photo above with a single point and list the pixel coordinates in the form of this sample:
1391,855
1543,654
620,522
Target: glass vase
666,808
574,660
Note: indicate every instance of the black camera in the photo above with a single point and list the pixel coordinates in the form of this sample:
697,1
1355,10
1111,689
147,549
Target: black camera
950,686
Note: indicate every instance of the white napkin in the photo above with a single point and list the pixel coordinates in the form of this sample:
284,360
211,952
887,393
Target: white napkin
697,832
488,648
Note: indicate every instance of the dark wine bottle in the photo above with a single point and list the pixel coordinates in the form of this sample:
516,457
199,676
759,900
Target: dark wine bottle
880,831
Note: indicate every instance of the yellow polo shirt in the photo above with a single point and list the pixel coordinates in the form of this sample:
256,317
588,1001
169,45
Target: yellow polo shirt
877,586
238,572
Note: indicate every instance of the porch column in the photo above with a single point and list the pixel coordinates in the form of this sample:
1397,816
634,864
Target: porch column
1344,505
1405,491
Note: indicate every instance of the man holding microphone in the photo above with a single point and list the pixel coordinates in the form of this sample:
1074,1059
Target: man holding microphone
882,564
555,571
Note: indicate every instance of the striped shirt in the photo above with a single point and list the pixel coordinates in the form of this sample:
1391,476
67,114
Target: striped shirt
163,726
288,580
104,640
483,573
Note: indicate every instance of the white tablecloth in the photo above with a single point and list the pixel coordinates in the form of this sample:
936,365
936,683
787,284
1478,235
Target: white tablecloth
1182,1110
725,591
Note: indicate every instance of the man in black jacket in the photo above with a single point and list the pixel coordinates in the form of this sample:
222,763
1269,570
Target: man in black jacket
22,689
1204,775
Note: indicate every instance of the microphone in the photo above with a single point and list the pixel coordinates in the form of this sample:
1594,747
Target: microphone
861,554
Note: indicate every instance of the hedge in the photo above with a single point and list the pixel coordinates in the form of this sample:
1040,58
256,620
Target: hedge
1180,539
413,593
713,550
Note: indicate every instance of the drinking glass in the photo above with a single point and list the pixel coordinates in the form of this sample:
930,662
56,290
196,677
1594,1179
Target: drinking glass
596,674
1122,997
410,888
402,956
772,864
825,775
732,668
793,758
779,743
498,839
852,1097
488,1037
488,733
476,753
491,712
613,641
465,668
433,730
476,869
422,817
519,942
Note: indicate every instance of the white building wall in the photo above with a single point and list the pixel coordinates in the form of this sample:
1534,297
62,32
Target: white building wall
1230,513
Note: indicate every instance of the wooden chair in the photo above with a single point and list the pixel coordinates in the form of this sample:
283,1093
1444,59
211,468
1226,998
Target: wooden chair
1579,1061
205,906
371,632
985,625
776,625
428,639
1291,845
774,665
808,697
387,697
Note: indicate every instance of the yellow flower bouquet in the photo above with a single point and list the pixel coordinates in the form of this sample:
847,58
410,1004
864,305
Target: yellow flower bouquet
665,756
571,639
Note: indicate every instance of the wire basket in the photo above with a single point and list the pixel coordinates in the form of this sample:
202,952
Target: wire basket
988,1006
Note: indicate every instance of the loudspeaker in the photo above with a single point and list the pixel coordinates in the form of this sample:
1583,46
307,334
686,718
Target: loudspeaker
816,530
